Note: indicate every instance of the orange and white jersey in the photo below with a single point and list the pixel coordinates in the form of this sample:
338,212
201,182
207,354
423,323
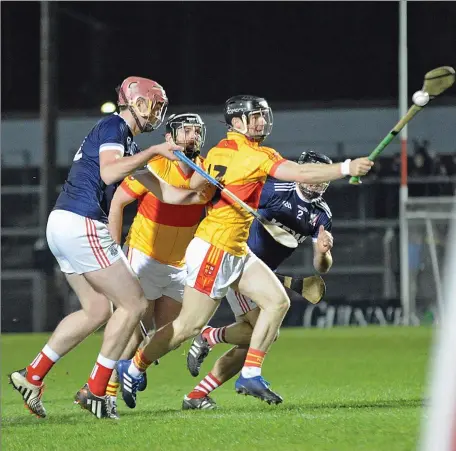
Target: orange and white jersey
162,231
242,166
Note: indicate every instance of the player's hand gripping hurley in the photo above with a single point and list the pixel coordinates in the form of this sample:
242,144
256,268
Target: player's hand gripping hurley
435,82
280,235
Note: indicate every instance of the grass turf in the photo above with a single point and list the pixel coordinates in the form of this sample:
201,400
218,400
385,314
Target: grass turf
344,389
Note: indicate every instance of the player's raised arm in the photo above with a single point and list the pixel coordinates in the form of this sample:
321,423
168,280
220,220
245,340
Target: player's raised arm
114,168
319,173
170,194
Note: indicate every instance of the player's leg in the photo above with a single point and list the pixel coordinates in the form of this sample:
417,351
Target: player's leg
93,253
163,283
71,331
230,363
197,309
210,271
226,367
67,236
260,283
167,310
120,285
143,266
148,323
139,336
238,333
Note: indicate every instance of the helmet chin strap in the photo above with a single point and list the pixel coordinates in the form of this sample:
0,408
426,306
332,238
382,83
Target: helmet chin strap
257,139
142,128
244,122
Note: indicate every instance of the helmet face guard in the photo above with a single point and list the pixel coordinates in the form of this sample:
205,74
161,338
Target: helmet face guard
135,89
186,122
313,192
261,121
255,114
155,114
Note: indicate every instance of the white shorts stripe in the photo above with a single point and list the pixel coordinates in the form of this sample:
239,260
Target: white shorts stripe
91,233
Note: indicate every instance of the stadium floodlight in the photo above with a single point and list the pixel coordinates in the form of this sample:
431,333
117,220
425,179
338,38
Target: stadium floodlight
108,107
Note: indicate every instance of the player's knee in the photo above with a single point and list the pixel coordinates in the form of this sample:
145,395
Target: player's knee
99,312
185,330
280,305
138,307
191,331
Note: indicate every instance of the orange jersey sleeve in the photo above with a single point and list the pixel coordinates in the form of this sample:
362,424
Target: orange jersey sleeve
272,161
133,187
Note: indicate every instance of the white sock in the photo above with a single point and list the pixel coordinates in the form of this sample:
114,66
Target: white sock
107,363
50,354
251,371
133,371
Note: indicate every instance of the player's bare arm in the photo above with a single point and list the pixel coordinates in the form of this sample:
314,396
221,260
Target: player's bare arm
322,260
120,200
198,182
317,173
114,168
169,194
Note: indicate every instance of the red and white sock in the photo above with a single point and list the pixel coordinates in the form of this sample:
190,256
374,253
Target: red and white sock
101,373
214,335
208,384
42,364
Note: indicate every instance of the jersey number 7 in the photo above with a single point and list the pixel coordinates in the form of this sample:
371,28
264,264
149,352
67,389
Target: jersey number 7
221,170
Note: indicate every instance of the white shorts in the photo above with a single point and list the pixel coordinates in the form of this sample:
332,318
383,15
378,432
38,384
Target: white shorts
211,270
240,304
157,279
80,244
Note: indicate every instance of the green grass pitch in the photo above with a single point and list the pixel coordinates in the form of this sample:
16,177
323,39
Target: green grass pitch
345,389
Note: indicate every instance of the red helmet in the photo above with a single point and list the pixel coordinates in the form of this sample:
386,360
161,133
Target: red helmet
133,88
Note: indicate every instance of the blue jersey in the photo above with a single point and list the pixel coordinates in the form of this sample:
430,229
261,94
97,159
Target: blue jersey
284,205
84,192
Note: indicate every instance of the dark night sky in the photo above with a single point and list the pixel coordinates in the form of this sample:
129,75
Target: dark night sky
204,52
